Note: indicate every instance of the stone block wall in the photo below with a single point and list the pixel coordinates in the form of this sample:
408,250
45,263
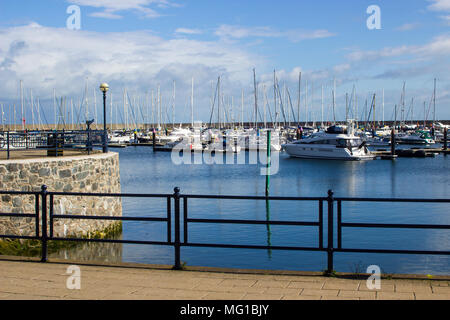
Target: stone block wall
95,173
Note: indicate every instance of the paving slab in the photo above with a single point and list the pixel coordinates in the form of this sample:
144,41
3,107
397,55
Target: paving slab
32,280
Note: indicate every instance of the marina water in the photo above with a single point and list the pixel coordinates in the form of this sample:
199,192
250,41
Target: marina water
143,171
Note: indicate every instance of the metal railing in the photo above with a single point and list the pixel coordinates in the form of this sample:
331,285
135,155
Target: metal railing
179,218
50,140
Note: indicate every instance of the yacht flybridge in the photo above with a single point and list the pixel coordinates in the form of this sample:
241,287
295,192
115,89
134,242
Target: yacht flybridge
336,143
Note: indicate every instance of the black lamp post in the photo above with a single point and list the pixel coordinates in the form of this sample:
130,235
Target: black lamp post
104,88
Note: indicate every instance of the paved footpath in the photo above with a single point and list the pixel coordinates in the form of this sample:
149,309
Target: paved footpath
34,280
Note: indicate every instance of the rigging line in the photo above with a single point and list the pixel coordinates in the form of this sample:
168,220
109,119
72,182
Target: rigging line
60,105
281,102
292,108
43,113
214,103
268,107
78,114
132,111
370,111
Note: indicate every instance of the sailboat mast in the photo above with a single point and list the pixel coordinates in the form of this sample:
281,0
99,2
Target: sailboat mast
192,103
54,108
86,100
256,98
218,102
299,95
334,101
403,105
153,108
321,124
265,105
346,107
95,108
173,105
383,107
21,104
158,107
434,102
242,108
39,114
32,108
306,103
71,113
275,97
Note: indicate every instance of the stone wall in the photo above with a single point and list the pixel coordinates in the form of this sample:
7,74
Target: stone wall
96,173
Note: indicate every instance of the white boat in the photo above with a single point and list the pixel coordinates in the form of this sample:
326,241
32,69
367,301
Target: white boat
176,135
414,138
256,143
119,138
222,146
379,142
181,146
333,144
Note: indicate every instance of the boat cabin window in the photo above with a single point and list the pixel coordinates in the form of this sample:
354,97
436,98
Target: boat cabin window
341,143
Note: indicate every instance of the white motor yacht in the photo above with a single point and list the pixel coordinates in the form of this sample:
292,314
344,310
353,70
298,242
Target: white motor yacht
334,144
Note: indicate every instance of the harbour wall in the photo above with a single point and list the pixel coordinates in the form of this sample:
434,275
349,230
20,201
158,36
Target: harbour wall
96,173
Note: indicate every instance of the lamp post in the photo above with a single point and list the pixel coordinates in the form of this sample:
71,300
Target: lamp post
104,88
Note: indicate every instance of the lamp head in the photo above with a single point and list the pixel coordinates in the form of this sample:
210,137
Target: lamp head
104,87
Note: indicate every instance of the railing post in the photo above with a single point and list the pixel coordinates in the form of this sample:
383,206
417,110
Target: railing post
44,257
330,201
321,224
176,197
36,211
339,224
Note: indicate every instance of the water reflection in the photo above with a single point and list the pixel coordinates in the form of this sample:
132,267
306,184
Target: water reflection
269,233
92,252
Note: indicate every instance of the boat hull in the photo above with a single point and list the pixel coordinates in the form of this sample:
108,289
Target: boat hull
326,152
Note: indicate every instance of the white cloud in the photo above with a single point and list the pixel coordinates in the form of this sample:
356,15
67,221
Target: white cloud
240,32
446,19
188,31
46,58
111,7
439,5
408,27
105,15
442,6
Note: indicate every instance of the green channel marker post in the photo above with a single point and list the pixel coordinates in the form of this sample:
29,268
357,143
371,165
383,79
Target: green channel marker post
269,136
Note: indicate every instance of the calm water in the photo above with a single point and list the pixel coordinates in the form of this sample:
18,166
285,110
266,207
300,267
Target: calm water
143,171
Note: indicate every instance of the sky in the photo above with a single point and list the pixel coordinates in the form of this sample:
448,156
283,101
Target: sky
138,46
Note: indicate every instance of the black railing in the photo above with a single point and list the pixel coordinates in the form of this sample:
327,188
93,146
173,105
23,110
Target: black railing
54,141
177,241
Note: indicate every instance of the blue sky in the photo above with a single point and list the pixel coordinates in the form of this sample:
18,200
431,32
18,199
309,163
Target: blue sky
140,44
